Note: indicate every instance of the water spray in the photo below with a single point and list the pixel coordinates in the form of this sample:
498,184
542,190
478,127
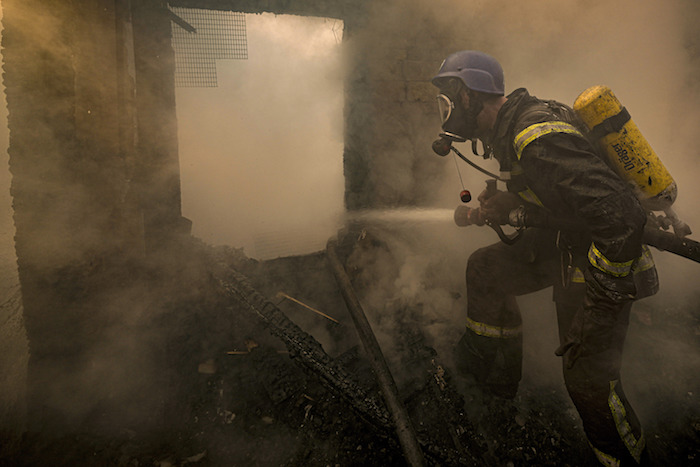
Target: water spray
402,215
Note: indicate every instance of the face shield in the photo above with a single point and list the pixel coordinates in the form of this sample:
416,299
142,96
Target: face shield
445,107
458,124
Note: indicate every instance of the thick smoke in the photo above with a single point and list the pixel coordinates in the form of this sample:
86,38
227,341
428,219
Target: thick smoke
261,155
250,164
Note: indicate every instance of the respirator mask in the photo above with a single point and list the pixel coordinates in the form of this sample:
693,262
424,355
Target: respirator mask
458,123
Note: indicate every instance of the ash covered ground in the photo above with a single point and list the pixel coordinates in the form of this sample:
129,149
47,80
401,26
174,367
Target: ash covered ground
235,392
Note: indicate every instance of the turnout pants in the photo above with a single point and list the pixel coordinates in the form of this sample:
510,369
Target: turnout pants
491,348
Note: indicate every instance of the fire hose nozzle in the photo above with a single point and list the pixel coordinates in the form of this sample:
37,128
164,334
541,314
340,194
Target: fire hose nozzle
464,216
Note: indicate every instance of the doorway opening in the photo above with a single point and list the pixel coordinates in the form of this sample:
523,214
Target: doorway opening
261,155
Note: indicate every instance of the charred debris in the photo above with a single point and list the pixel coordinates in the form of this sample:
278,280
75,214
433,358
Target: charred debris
331,406
250,368
264,366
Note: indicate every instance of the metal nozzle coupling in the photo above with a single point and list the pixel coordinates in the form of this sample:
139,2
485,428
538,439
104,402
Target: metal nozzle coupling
464,216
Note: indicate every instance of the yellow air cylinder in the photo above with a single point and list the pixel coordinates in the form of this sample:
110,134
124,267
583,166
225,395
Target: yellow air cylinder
626,148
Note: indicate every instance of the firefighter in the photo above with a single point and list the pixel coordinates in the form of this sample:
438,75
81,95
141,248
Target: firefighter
547,160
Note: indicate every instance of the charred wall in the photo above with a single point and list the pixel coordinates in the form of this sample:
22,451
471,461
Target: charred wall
393,52
60,151
88,193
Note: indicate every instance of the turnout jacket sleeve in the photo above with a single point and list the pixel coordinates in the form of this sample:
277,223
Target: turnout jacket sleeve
570,179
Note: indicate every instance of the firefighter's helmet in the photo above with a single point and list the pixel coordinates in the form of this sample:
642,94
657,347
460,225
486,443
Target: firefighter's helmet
477,70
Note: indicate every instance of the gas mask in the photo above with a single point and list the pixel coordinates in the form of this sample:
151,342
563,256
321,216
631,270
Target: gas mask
458,123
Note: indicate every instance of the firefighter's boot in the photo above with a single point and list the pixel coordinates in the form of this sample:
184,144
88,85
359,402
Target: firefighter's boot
495,363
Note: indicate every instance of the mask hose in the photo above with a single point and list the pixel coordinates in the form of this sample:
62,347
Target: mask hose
487,150
443,146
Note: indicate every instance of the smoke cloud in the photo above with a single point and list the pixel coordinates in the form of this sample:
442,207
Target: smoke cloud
261,155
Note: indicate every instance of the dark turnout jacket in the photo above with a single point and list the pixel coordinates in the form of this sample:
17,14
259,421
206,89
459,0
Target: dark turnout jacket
551,162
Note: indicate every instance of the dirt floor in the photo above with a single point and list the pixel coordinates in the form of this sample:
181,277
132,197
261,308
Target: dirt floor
238,394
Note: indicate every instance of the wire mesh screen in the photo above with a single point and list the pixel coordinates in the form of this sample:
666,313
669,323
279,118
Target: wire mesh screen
216,35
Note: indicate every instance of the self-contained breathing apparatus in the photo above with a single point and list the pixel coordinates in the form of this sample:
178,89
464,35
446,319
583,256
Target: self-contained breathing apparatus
630,155
476,74
458,123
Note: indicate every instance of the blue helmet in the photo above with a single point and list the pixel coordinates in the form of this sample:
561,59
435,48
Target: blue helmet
477,70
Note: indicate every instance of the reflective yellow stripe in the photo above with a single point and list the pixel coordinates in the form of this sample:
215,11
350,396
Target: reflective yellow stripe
597,259
530,196
645,262
634,445
577,276
488,330
606,459
531,133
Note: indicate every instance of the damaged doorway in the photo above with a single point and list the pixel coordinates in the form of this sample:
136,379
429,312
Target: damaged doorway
261,154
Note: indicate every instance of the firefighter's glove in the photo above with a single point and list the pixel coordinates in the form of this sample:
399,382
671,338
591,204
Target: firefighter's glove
496,205
594,327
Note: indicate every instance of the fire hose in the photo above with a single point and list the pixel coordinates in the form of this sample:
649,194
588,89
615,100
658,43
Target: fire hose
523,217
